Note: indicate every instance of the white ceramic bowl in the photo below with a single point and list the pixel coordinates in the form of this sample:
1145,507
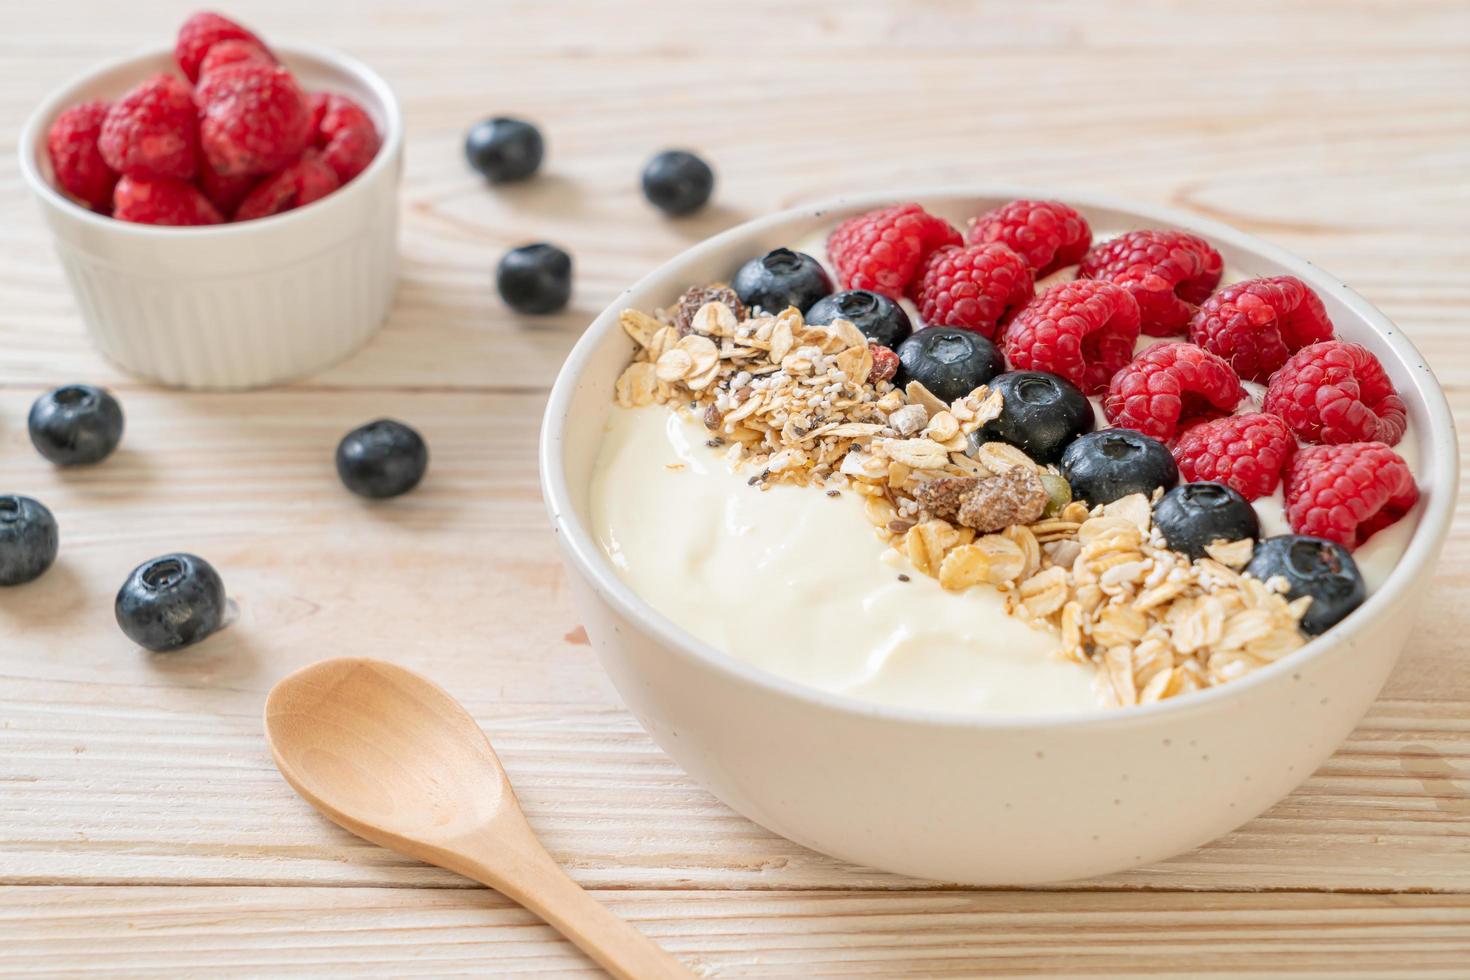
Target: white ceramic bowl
993,801
235,305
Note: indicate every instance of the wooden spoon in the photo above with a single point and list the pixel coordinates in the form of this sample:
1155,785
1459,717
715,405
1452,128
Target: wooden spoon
393,758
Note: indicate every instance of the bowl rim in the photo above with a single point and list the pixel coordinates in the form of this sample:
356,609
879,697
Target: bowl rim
38,123
1439,445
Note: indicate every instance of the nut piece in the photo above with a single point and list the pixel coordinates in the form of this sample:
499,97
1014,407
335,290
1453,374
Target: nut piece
944,496
1060,491
909,420
1014,497
695,297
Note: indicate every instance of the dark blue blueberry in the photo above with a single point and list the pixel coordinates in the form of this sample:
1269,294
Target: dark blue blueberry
1316,567
780,279
382,459
677,182
1196,515
504,149
76,425
171,602
1111,463
28,539
1040,414
535,278
948,361
879,318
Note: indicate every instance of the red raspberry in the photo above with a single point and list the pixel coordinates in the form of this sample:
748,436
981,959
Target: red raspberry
152,131
1257,323
317,103
75,159
233,53
1082,330
1346,493
1169,385
226,193
255,119
308,179
882,250
162,201
200,33
1245,452
1047,234
346,135
885,364
1335,392
975,287
1168,272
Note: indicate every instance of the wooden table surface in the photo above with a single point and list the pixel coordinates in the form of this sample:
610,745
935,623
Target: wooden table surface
143,829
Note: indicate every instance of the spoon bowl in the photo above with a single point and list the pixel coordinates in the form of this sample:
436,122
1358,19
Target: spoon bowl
393,758
393,752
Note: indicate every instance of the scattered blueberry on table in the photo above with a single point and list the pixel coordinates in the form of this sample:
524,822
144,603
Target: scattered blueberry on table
1108,464
1040,414
171,602
677,182
1194,516
29,539
382,459
782,278
1312,567
76,425
948,361
880,319
504,149
535,279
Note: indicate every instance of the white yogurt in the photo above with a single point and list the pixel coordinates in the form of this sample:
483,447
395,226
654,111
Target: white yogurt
794,581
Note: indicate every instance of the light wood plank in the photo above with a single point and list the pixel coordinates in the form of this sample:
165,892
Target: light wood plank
289,932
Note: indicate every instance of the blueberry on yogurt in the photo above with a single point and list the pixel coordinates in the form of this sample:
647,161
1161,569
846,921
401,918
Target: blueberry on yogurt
950,362
1312,567
1197,515
880,319
1108,464
1040,414
782,278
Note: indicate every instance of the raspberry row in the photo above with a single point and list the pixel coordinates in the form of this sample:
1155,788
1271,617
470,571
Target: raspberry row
1326,401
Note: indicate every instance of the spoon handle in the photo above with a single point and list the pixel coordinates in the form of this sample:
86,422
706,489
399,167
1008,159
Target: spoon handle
539,884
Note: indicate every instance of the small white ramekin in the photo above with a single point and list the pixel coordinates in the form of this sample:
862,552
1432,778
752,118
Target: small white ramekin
985,800
236,305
